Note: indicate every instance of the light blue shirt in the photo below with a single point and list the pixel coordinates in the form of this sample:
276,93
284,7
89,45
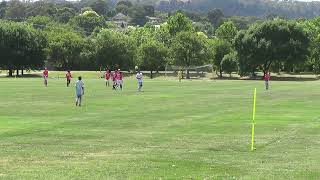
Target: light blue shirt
79,88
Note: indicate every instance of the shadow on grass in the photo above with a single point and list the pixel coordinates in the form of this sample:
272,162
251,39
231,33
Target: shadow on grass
274,78
23,76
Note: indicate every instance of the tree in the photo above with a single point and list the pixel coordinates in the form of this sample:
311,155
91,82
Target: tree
149,10
138,15
64,48
242,22
64,14
245,47
195,16
152,55
40,22
227,31
21,46
312,28
84,9
259,8
163,35
99,6
141,35
16,10
215,16
204,27
125,2
273,42
88,21
114,48
229,63
315,56
88,55
3,7
40,8
123,7
219,49
179,23
188,49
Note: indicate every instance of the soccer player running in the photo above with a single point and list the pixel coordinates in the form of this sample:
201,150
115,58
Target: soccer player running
69,77
107,75
79,91
139,78
267,79
114,80
120,78
45,76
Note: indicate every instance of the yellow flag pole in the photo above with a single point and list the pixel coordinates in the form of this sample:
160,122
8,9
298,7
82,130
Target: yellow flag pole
253,118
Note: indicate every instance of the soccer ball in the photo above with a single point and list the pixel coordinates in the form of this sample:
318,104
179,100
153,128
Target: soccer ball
136,68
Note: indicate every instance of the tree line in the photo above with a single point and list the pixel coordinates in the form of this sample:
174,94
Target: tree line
107,8
261,8
87,42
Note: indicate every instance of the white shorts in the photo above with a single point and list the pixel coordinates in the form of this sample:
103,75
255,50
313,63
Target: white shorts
45,78
119,82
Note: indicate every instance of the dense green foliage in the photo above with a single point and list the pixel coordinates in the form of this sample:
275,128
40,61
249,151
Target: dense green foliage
114,49
90,35
229,63
218,49
287,8
188,49
21,46
88,21
272,43
152,55
64,50
179,23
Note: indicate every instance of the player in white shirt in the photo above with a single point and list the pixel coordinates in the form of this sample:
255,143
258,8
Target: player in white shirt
139,78
79,91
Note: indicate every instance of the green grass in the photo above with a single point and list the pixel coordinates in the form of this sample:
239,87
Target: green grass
190,130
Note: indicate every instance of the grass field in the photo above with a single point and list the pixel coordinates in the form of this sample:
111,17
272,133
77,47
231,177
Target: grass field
191,130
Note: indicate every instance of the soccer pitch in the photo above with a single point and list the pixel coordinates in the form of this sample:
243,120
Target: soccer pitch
190,130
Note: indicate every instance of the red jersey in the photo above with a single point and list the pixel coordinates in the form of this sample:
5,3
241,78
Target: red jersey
68,76
46,73
114,76
267,77
107,75
119,75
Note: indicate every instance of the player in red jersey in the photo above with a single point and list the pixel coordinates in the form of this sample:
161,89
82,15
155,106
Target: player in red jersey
267,79
45,76
107,75
69,77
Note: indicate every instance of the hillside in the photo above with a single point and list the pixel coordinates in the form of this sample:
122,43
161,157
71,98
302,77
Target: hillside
290,9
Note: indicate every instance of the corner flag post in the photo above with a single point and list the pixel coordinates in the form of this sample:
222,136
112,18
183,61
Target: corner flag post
253,118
